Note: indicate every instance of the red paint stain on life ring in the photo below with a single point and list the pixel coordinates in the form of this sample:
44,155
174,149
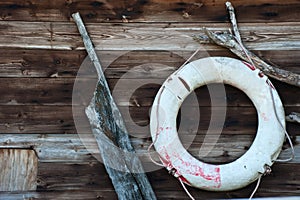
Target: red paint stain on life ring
163,130
167,163
270,84
249,66
184,180
206,171
265,118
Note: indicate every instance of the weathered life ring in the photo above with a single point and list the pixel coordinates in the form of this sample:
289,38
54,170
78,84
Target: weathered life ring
266,145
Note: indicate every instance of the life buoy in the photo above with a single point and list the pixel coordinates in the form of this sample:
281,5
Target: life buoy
266,145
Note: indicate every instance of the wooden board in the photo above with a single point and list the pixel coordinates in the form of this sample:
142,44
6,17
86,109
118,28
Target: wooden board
149,10
18,169
73,148
66,153
97,186
59,119
140,36
64,63
58,91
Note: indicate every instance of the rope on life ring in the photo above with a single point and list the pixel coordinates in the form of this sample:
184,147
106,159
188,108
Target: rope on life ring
262,153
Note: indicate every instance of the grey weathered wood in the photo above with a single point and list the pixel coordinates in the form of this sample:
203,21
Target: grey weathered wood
234,43
60,195
69,148
235,29
18,170
139,36
293,117
108,127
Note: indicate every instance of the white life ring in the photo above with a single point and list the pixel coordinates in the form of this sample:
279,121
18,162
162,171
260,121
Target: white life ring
265,148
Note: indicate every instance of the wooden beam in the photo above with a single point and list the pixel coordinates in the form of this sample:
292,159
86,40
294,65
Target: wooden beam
69,148
18,170
59,118
80,181
20,63
140,36
148,11
58,91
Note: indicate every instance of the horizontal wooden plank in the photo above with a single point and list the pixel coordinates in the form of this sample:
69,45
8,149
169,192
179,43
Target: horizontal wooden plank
139,36
109,195
55,63
59,119
280,183
61,195
149,11
132,92
26,63
34,119
36,91
73,148
126,95
92,182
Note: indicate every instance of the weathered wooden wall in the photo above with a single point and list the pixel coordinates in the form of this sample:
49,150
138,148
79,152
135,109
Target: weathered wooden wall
41,52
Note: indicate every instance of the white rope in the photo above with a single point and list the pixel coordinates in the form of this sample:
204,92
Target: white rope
149,153
186,190
244,50
189,59
156,135
286,133
256,187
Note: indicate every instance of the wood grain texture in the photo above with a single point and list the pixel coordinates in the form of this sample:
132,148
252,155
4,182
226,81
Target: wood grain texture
41,53
140,36
140,92
178,194
61,195
76,149
64,63
149,10
54,186
59,119
18,169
